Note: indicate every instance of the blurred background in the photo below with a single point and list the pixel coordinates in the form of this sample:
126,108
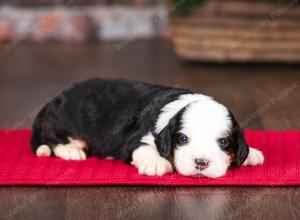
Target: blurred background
245,53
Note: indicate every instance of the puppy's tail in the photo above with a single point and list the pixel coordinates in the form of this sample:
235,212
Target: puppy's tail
48,130
37,130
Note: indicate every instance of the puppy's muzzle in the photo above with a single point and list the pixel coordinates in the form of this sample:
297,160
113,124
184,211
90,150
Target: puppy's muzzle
201,163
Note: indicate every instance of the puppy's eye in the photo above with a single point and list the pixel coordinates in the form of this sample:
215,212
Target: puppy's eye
182,139
223,142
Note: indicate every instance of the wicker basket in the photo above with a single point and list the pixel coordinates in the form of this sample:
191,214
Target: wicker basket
239,31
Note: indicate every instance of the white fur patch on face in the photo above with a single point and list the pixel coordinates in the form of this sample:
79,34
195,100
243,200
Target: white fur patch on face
255,157
71,151
147,159
203,122
171,109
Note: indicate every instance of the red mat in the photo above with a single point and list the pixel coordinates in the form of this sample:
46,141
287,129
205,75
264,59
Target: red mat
19,166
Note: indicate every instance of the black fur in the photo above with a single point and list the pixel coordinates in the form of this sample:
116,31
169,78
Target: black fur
238,147
110,115
165,140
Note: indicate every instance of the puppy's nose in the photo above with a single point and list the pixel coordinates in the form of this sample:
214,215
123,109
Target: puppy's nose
201,164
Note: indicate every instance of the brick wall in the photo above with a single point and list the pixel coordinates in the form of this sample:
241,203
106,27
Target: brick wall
79,23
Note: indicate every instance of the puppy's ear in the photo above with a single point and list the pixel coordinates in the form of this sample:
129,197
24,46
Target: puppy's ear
242,148
165,139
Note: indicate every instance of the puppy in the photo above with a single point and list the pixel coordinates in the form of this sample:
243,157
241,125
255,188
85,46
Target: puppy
155,128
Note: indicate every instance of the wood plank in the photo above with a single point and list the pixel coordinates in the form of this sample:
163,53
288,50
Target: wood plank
278,101
235,55
250,37
249,8
233,33
32,203
192,21
237,44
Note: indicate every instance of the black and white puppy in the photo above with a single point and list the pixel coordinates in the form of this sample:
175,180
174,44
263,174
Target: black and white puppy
153,127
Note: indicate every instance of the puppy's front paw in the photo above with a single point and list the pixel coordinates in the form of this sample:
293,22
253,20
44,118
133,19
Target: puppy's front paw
69,153
156,166
255,157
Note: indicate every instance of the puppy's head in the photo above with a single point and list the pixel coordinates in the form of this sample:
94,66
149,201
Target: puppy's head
203,139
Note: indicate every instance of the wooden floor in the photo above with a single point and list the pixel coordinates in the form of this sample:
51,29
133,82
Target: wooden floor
261,96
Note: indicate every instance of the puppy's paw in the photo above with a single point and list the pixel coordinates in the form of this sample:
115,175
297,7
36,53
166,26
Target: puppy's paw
255,157
43,151
156,166
69,153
